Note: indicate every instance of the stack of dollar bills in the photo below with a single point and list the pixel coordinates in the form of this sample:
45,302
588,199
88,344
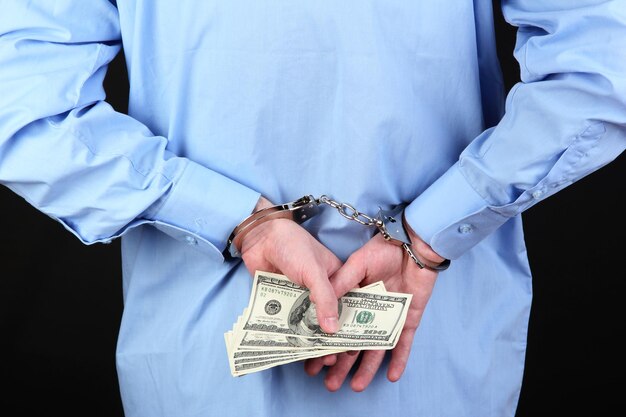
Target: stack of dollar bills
280,324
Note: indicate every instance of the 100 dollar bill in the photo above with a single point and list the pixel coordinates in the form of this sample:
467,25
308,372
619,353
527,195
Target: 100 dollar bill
281,307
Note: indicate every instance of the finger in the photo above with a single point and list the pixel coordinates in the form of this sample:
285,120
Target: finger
370,362
326,360
349,275
400,355
313,366
290,249
331,262
323,296
312,274
337,373
329,360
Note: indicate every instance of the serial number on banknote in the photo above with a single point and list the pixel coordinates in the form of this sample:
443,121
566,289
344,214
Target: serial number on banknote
275,291
359,326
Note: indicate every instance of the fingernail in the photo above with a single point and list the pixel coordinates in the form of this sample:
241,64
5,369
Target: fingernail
332,324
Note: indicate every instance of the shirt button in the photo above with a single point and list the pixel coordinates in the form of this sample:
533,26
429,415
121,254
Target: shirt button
465,228
537,194
191,240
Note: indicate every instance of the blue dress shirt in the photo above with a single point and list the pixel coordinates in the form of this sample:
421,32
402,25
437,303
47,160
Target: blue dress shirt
372,102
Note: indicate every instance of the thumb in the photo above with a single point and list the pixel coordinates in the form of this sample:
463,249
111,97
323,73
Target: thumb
323,296
313,274
294,252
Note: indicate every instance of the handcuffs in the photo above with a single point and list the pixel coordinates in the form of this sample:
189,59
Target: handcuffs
388,222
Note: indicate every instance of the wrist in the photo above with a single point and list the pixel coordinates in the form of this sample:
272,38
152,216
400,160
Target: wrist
422,249
235,242
238,244
298,211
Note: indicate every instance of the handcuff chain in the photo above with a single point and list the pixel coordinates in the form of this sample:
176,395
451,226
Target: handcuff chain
349,212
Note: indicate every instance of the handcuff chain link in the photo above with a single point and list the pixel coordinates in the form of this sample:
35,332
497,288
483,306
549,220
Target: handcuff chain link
349,212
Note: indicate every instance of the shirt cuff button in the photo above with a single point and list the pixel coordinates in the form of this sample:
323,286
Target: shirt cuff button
191,240
465,228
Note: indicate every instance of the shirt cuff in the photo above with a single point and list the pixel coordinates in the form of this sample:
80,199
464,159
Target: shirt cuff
203,207
450,216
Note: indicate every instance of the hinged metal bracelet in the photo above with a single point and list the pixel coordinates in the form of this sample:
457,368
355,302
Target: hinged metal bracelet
394,232
299,211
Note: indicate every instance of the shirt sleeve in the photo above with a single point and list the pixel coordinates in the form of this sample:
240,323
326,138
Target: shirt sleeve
69,154
564,120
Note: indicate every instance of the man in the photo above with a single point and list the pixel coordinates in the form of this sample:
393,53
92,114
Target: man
238,106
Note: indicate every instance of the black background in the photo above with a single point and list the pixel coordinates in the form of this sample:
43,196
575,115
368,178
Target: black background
61,302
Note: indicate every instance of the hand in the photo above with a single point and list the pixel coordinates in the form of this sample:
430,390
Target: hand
379,260
283,246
